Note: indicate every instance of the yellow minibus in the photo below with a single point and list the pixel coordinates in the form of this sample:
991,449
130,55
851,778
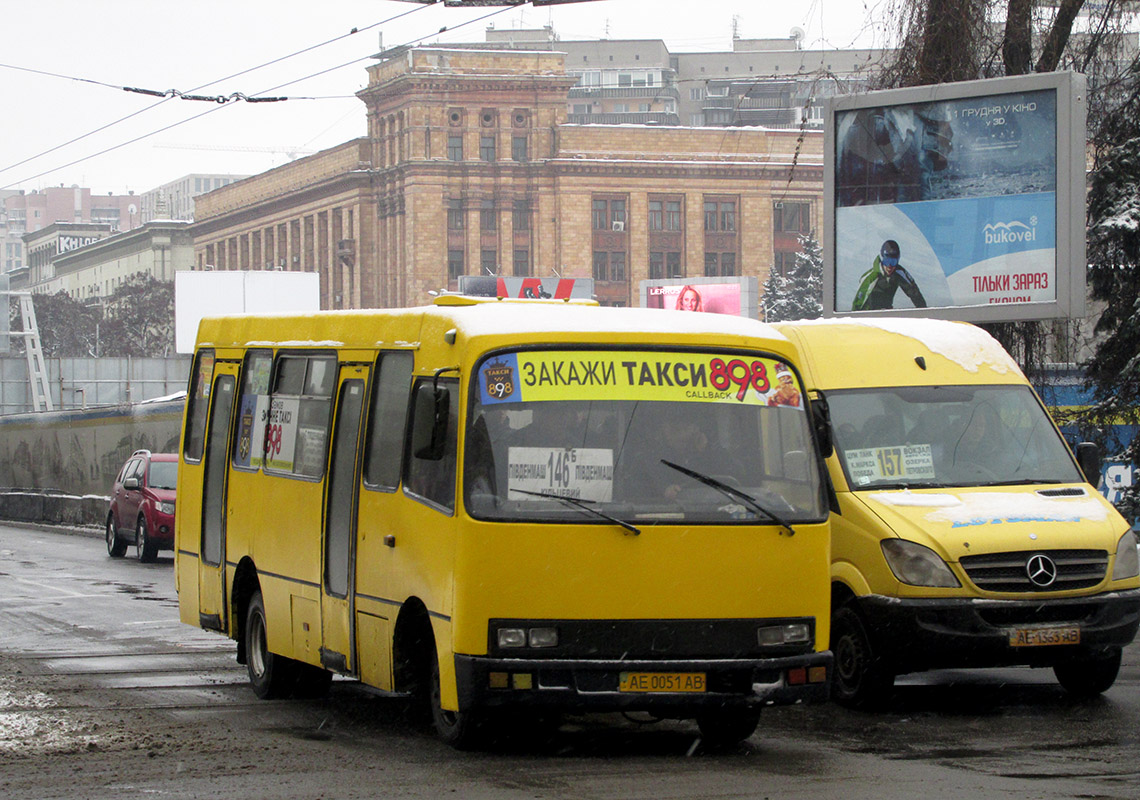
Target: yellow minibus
491,504
965,533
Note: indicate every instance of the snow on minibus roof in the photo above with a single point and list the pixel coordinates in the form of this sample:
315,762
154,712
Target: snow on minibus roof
504,317
966,345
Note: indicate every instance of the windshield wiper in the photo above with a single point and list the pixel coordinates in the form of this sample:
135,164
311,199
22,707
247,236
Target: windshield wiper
585,505
732,492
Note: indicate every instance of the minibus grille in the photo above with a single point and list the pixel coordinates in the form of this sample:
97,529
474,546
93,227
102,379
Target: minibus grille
1057,571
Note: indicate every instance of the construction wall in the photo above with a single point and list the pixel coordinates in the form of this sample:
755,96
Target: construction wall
58,466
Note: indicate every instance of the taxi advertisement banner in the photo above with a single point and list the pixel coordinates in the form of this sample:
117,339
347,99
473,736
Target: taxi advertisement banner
536,376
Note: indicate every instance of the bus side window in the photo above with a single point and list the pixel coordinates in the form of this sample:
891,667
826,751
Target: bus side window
201,378
434,480
388,418
300,414
253,410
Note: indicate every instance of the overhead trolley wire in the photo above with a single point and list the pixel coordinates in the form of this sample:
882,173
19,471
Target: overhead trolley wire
168,96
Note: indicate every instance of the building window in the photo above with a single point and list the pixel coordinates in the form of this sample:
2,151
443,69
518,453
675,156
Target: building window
489,262
720,215
454,264
673,265
487,148
601,215
518,148
791,217
784,262
621,108
719,265
656,266
455,147
609,266
488,219
672,215
656,216
521,264
520,215
581,108
455,215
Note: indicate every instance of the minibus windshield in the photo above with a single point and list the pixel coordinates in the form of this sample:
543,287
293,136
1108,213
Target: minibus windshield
599,427
928,436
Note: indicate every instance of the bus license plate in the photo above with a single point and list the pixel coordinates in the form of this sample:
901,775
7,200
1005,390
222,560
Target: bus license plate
662,682
1037,637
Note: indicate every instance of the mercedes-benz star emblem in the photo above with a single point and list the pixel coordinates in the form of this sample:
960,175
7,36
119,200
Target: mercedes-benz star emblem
1041,570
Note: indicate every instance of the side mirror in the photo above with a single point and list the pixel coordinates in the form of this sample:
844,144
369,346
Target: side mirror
429,426
131,483
821,421
1089,460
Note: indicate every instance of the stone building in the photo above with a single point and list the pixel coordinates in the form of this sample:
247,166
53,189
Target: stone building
469,167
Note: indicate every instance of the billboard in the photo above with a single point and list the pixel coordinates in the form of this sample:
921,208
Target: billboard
960,201
527,288
213,294
738,296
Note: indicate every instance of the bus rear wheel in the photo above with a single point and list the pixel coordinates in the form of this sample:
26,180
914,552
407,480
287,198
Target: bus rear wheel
270,675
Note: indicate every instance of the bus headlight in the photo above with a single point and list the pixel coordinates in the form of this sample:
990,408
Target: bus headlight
527,637
1127,560
916,565
793,633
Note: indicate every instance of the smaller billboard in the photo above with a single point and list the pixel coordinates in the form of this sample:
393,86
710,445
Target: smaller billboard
218,293
738,296
527,288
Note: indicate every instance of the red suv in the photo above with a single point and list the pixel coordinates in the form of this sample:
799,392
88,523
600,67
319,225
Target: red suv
142,505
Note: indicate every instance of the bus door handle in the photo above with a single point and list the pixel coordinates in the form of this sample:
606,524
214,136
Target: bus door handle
390,540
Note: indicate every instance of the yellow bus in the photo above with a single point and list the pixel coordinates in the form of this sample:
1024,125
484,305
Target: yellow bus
487,505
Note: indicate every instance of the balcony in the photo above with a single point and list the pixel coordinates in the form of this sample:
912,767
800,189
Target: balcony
628,118
622,92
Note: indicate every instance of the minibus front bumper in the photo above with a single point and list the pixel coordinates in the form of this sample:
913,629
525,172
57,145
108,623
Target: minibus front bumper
596,684
916,634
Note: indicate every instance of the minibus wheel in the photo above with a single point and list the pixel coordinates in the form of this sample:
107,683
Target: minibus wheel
270,675
460,729
727,726
859,680
1089,676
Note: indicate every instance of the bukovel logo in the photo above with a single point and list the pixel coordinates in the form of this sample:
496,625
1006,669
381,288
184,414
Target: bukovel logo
1011,232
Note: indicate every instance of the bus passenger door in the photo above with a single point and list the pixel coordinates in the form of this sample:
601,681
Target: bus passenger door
338,583
212,563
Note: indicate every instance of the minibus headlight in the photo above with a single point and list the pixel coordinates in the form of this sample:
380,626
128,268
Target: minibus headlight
1127,560
794,633
916,565
528,637
512,637
543,637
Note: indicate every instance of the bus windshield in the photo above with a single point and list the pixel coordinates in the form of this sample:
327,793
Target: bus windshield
619,436
895,437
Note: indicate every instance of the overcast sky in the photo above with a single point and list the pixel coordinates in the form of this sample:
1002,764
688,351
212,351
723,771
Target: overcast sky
92,49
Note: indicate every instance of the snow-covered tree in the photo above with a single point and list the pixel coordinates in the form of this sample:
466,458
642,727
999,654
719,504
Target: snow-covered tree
799,293
1113,372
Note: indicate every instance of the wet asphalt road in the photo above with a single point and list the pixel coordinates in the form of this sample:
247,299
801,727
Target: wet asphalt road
105,694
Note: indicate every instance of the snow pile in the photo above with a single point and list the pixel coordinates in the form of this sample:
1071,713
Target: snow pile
982,507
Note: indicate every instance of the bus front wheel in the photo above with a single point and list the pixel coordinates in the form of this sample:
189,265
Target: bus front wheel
1090,675
860,679
460,729
728,726
270,675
